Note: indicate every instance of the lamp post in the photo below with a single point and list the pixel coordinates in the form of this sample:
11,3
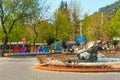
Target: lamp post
81,45
102,19
80,29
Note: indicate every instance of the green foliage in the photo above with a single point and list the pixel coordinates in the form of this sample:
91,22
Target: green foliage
87,28
14,13
115,42
75,14
20,15
16,33
1,35
63,26
96,26
45,31
92,26
50,40
115,25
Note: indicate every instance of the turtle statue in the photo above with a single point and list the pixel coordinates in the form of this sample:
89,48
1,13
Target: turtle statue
90,53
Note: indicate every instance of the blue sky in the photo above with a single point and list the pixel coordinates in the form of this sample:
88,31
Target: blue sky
88,6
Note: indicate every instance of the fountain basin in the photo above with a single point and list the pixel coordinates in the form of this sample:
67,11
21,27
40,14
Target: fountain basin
101,65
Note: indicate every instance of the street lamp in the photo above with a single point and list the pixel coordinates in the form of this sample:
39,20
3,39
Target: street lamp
80,29
81,44
102,19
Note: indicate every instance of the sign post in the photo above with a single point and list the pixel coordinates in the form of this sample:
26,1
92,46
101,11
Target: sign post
81,40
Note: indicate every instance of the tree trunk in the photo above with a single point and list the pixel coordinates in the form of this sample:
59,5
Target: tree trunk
4,45
36,36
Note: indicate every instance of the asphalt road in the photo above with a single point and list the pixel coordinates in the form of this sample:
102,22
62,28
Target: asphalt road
23,69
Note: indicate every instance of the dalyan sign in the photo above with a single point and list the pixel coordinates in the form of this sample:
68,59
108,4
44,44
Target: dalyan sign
81,39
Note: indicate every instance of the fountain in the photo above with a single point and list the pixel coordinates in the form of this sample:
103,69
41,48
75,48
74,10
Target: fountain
85,60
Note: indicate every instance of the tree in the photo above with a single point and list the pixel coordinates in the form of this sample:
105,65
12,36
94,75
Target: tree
96,26
46,31
87,28
92,26
105,30
115,25
62,23
63,27
37,20
17,30
75,14
13,11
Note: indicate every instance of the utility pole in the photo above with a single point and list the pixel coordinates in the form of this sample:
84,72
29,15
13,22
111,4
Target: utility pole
80,29
102,19
81,44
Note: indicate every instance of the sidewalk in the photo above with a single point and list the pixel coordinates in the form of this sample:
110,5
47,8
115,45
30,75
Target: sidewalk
23,69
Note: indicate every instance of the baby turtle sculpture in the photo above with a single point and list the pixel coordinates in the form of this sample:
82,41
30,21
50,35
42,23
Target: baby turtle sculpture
90,53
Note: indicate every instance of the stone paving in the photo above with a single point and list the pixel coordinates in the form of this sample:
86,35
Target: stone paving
23,69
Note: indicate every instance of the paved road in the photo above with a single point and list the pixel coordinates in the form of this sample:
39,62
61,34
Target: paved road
23,69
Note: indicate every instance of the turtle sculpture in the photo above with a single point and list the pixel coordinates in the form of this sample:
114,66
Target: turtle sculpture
90,53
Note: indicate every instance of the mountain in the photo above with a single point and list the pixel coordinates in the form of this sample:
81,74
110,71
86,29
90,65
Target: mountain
110,9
